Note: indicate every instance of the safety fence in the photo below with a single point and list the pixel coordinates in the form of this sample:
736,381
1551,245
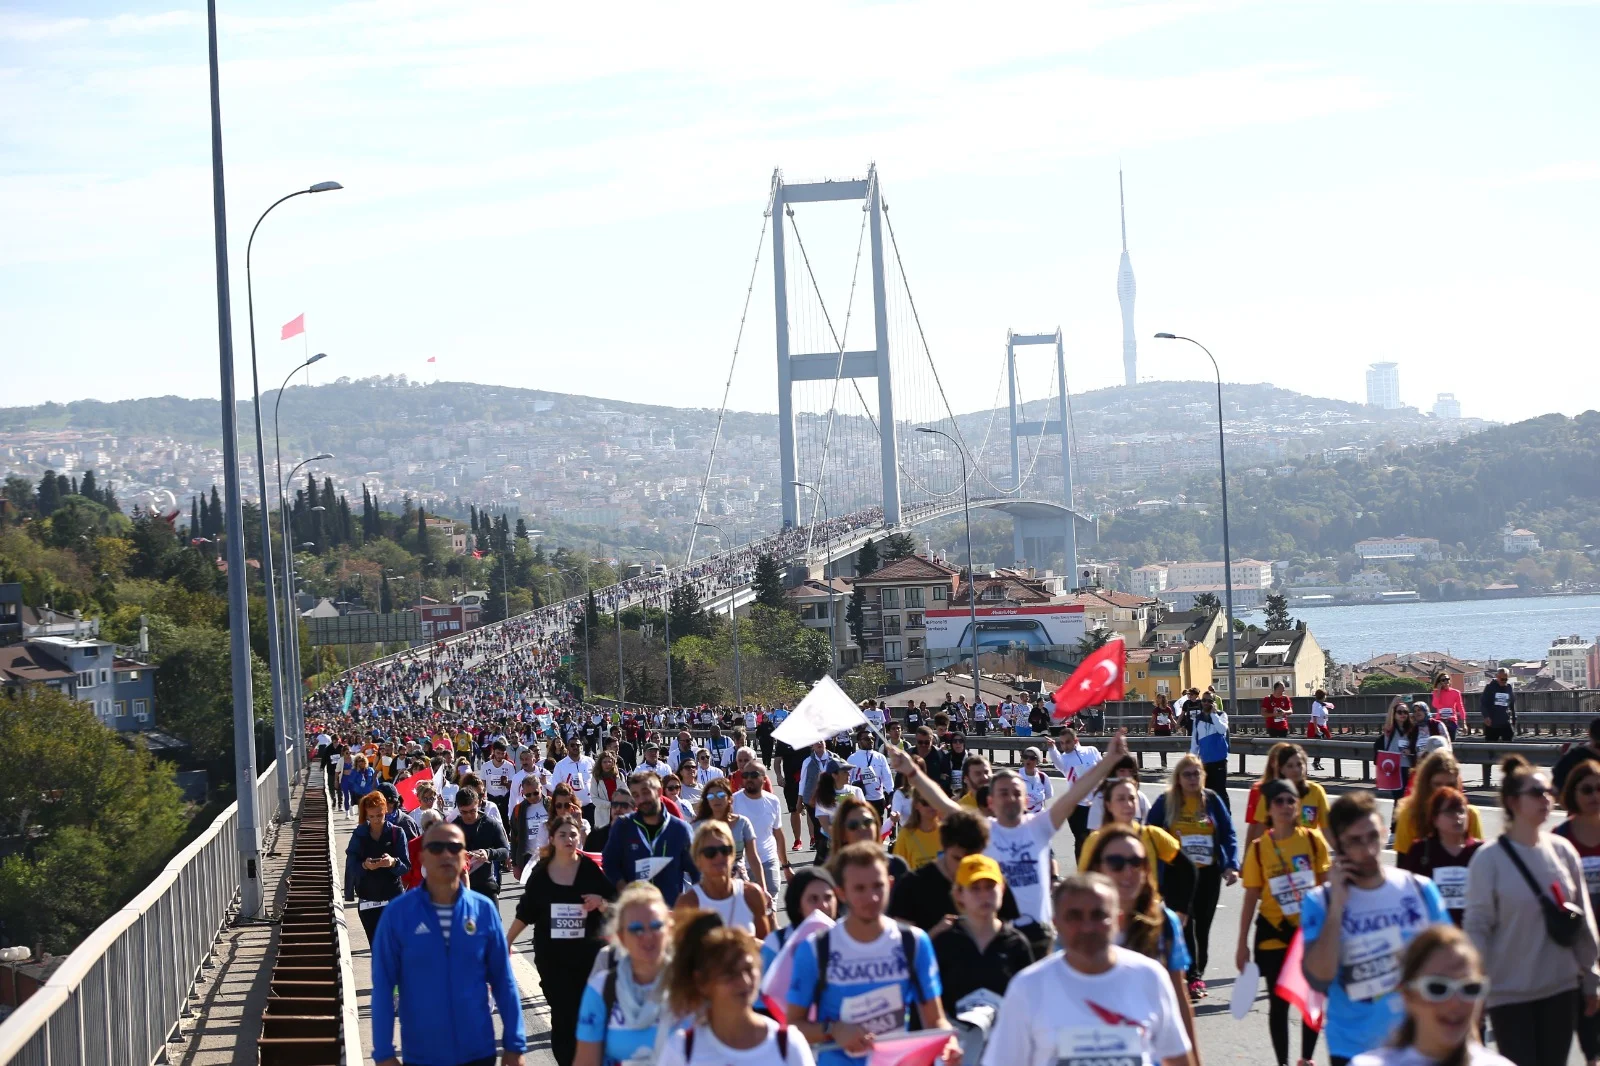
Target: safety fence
121,994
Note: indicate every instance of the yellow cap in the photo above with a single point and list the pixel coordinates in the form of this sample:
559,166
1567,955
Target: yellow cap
979,868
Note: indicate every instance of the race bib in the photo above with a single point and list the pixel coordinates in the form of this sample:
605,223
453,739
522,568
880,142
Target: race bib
1502,699
371,904
1371,963
1098,1045
646,869
882,1010
1288,889
1591,873
1452,884
1198,847
566,921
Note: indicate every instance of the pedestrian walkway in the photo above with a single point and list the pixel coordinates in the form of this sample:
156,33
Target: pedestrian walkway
222,1022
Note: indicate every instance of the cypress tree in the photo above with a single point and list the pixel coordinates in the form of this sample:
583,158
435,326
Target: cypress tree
423,547
347,526
49,493
194,517
88,488
214,525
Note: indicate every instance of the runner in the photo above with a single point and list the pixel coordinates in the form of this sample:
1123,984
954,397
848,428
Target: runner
760,808
650,844
1443,855
713,980
1070,759
978,953
1203,826
1092,1003
621,1014
869,771
737,903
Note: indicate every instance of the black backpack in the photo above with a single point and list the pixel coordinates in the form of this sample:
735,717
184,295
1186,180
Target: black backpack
781,1036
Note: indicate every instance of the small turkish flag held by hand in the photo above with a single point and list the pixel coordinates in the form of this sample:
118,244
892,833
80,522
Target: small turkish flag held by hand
1097,679
294,327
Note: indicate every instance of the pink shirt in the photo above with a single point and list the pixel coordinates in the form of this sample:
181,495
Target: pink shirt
1447,703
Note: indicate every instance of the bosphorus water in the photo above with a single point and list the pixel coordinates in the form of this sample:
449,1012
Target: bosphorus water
1519,628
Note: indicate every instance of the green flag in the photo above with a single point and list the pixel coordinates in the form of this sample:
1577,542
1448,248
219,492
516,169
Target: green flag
349,693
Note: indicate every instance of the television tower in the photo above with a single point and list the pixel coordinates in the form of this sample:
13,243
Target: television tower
1125,291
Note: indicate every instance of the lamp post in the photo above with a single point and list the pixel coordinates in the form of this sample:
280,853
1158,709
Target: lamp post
244,734
972,575
292,657
280,714
666,615
1227,550
291,613
733,620
827,574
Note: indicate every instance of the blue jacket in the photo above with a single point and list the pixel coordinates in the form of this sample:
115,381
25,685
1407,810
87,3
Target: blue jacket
361,782
626,848
1227,839
1210,740
444,1014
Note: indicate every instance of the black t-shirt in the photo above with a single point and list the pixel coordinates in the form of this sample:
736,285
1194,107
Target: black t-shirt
963,969
549,910
923,898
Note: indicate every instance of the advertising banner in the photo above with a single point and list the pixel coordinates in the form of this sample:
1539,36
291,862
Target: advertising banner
1040,626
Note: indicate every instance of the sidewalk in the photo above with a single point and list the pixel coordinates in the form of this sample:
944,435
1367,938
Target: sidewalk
222,1021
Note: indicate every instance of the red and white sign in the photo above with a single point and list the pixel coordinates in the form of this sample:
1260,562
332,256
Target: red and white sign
442,620
1044,625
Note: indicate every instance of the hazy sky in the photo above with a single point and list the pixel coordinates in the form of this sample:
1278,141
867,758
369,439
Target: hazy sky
568,196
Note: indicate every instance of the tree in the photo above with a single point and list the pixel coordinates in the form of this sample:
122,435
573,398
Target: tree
1207,601
18,492
898,546
1278,612
214,523
867,558
49,493
385,597
1387,683
154,543
854,614
98,818
88,488
864,682
194,695
768,583
424,549
687,616
1091,642
194,518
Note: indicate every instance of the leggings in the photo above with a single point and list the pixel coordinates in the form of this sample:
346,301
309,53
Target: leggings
563,995
1536,1033
1270,960
1197,930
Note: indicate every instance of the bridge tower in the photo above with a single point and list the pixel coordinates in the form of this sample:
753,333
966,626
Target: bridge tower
823,366
1038,529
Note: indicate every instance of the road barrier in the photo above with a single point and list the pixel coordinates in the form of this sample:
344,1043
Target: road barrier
120,995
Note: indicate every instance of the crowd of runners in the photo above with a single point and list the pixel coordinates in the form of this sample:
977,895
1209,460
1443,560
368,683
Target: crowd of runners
655,859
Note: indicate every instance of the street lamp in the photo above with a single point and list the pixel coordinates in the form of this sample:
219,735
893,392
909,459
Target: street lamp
666,614
827,573
733,619
280,720
972,575
291,613
1227,550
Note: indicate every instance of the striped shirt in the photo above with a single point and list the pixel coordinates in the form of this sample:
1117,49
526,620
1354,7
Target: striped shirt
445,911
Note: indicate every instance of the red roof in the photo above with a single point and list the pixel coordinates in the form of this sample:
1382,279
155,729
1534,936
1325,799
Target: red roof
911,568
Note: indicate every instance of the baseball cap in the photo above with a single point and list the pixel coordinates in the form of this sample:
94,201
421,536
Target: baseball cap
979,868
1273,789
1031,752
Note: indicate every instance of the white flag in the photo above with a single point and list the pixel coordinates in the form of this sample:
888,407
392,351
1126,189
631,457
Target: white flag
825,711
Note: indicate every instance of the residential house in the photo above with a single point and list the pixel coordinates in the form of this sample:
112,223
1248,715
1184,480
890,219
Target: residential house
1126,614
1177,654
1291,656
120,689
893,628
822,606
1519,542
1384,549
1575,661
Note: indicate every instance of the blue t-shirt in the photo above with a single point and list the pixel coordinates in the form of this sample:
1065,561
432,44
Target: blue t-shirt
620,1043
1178,957
1363,1006
868,984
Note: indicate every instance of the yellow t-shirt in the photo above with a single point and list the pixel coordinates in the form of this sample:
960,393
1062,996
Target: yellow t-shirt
1196,832
1313,808
968,800
1159,846
918,847
1284,871
1405,835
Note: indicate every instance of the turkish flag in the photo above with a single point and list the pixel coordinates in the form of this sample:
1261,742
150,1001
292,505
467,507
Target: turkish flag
294,327
909,1049
1097,679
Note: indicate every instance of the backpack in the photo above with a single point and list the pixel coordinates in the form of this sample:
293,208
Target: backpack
908,947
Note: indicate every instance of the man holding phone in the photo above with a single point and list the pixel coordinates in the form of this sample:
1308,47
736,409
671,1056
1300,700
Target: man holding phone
1356,927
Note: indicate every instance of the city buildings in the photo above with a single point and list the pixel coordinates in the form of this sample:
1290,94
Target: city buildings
1383,386
1519,542
1403,547
1291,656
1447,406
1575,661
1246,573
893,626
822,605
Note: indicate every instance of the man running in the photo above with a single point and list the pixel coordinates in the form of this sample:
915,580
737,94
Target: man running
765,814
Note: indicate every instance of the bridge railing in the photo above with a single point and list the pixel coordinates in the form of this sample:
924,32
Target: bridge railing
120,994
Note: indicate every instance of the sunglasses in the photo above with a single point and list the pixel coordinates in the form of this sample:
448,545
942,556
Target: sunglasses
752,775
1588,790
1118,863
655,925
1439,989
674,788
717,795
716,851
439,847
856,825
1541,791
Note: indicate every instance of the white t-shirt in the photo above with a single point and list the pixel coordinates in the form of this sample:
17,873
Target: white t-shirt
1074,762
497,776
1024,857
1040,790
1477,1055
1052,1015
577,774
709,1051
765,814
870,770
538,829
1319,712
980,712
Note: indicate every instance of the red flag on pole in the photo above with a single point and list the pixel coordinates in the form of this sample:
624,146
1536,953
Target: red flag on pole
433,358
1097,679
294,327
1293,986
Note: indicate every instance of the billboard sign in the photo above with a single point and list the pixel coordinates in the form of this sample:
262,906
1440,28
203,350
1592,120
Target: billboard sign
365,629
1046,625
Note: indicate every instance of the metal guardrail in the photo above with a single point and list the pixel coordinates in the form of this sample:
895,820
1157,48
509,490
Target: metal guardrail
122,992
349,1016
1554,723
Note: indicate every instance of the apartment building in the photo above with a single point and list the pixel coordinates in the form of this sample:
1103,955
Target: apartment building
894,599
